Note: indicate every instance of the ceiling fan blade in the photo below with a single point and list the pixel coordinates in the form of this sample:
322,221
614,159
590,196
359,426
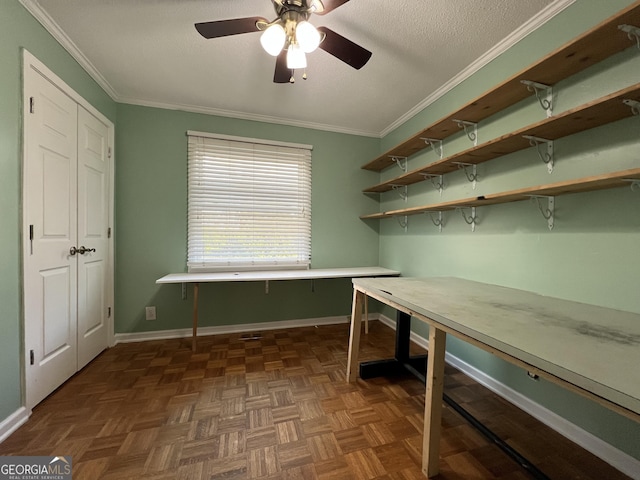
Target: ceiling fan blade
223,28
331,5
282,74
344,49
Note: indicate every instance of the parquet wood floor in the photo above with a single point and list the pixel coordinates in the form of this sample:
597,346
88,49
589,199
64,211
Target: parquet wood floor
275,405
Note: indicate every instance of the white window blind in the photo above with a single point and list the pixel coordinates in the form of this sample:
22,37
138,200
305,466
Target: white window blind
249,204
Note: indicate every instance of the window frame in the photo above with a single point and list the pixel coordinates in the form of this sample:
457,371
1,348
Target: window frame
291,160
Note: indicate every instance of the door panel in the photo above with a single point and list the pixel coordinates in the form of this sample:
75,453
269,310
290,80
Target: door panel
57,301
95,221
50,272
56,196
93,214
94,288
54,113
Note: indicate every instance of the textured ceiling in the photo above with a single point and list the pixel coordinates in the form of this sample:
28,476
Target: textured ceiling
148,52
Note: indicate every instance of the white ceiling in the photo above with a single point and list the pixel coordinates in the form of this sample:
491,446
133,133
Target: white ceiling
148,52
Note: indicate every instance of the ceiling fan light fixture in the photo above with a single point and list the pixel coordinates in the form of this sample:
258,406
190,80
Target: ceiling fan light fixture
290,36
273,39
307,36
296,58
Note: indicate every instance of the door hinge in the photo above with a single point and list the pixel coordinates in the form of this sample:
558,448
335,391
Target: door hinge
31,239
32,357
109,232
32,105
109,152
108,312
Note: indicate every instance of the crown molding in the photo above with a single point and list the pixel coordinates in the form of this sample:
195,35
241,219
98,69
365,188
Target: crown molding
249,116
535,22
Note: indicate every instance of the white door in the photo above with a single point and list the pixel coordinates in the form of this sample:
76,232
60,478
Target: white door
50,269
93,224
67,251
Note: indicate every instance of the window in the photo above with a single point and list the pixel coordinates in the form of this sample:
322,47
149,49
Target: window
249,204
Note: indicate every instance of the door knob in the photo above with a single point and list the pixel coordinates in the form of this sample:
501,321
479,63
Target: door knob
82,250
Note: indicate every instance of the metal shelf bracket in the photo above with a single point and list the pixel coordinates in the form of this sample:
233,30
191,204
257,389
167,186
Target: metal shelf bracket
549,212
403,191
470,220
404,222
473,176
632,32
634,183
435,144
436,180
633,104
438,222
544,94
470,128
400,161
546,157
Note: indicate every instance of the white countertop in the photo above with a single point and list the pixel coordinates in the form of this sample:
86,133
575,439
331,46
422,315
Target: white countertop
595,348
252,276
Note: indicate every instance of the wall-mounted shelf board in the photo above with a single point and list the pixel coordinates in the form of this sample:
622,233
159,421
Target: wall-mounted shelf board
586,184
591,47
607,109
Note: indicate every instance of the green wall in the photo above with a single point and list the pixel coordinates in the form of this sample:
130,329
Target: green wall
151,206
18,30
590,256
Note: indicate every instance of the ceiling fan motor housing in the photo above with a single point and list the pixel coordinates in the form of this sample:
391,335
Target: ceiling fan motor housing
285,5
295,8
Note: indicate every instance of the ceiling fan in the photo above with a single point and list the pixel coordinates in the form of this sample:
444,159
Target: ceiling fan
290,36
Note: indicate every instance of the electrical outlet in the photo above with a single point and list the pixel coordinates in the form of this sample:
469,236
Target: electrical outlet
150,313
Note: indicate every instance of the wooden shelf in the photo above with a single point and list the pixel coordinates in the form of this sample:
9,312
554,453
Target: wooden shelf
586,184
593,46
598,112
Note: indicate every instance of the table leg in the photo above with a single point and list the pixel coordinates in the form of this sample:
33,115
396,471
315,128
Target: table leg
366,314
433,401
402,361
403,337
196,287
354,336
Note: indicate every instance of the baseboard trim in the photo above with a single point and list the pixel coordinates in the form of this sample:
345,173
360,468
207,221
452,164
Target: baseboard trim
227,329
13,422
603,450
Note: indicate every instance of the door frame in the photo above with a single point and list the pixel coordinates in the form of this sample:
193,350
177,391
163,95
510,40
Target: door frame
32,66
